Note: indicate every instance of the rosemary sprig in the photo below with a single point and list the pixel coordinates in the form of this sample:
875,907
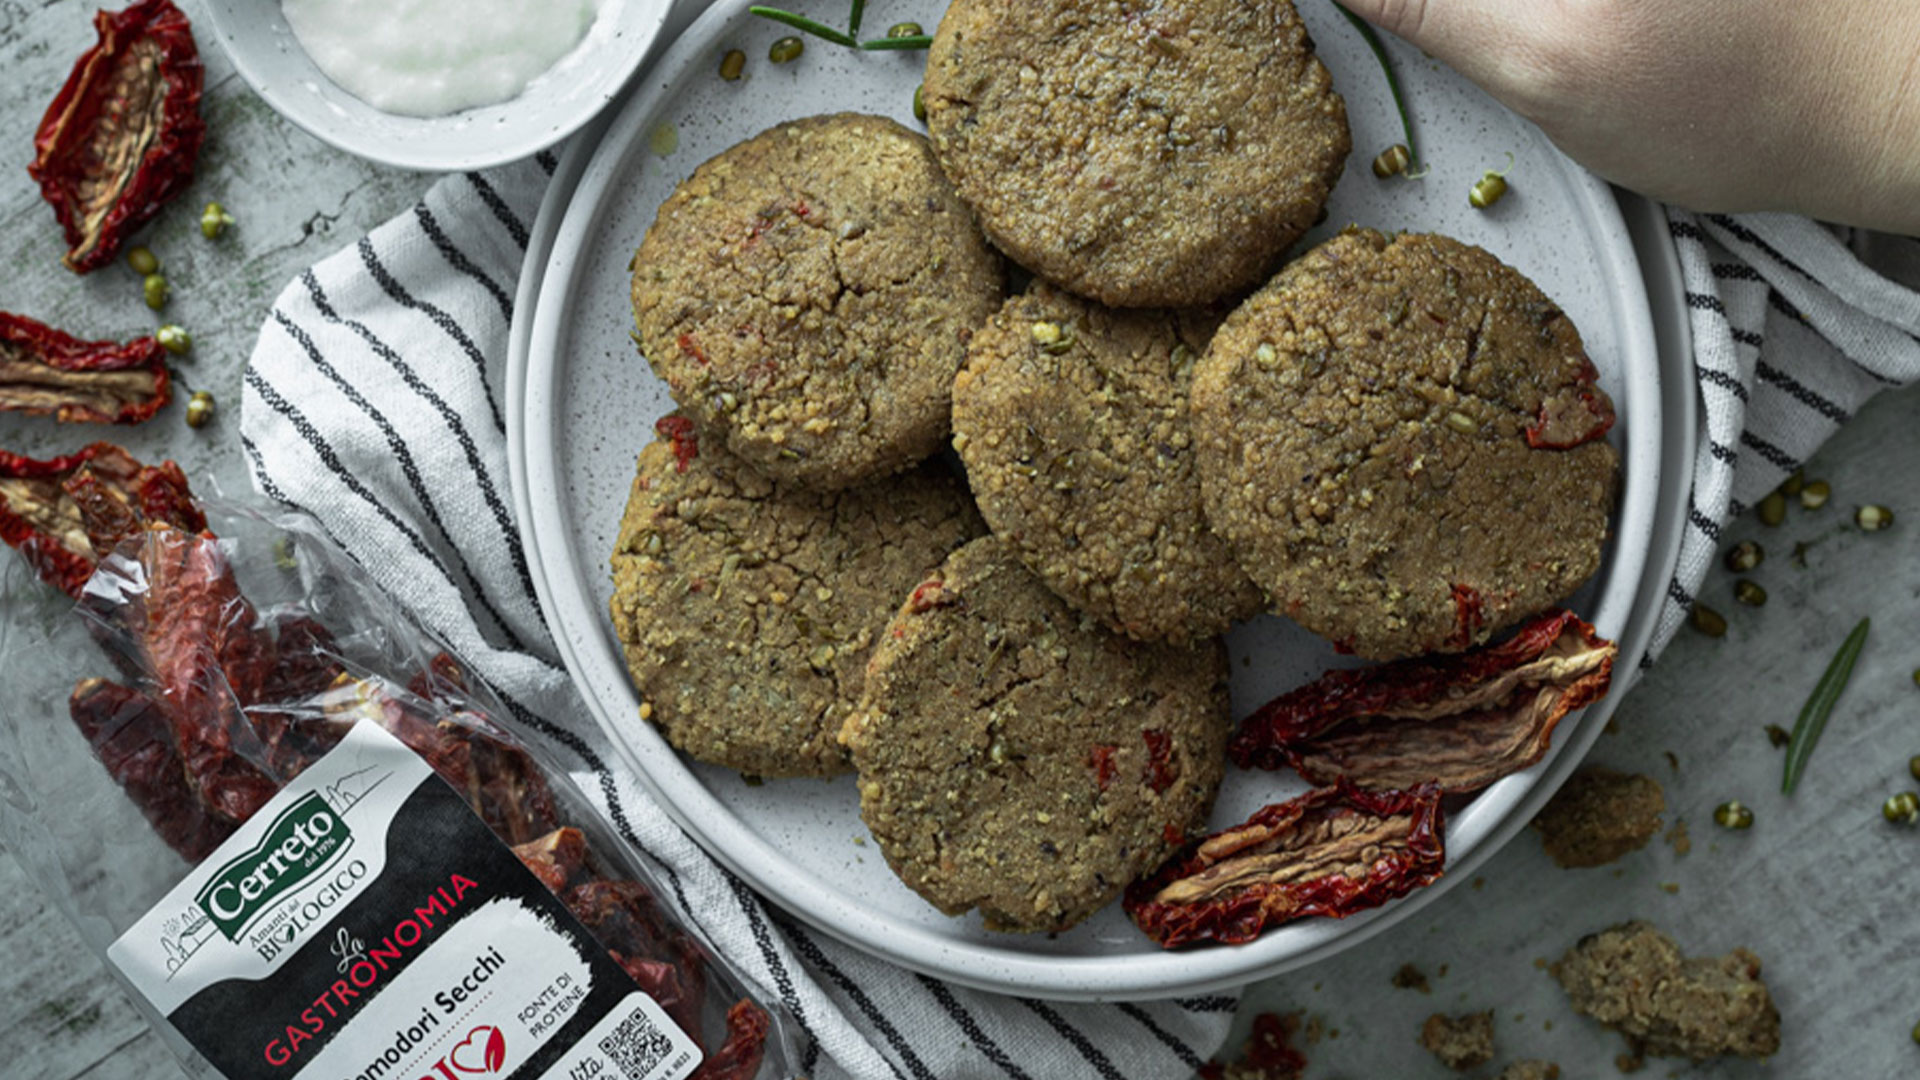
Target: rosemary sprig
1393,85
1813,715
801,22
853,21
917,41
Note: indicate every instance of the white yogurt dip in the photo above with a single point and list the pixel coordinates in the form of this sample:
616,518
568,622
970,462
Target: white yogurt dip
434,57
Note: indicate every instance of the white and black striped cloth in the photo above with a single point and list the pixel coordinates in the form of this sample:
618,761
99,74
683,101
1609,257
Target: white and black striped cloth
374,401
1795,325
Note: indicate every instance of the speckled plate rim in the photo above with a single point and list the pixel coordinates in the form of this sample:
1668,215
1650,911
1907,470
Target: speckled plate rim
1657,417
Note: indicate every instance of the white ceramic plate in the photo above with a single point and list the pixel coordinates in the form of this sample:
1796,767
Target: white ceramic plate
587,404
263,49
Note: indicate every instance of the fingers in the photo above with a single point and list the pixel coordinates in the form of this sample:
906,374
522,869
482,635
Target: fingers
1404,18
1500,44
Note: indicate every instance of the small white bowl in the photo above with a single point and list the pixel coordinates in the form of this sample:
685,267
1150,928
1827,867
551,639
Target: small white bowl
256,37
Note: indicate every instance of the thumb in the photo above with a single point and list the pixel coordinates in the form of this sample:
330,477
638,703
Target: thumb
1481,39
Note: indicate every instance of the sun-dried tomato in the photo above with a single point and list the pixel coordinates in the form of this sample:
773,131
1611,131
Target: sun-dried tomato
929,595
47,372
691,347
122,135
1462,721
1330,852
680,434
740,1053
1469,614
623,917
129,735
1582,413
498,779
668,965
177,615
308,668
1160,772
1269,1055
1100,760
63,513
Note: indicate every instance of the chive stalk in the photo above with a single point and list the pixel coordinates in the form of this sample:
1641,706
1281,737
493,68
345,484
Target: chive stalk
1393,85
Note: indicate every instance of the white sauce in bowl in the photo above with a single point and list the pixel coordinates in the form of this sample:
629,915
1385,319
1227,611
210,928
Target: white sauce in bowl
434,57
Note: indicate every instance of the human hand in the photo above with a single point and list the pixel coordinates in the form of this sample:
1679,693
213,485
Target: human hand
1716,105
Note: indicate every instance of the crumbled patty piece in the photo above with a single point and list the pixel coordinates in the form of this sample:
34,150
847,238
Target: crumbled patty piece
1531,1069
1018,758
1460,1042
808,296
1633,979
1402,440
1599,816
1411,978
1142,154
747,609
1072,421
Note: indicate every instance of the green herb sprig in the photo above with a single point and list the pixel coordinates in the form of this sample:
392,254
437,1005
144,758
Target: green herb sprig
911,41
1813,715
802,23
1372,39
849,37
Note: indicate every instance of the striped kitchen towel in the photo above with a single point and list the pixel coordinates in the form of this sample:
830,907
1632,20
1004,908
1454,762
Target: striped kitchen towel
375,401
1795,325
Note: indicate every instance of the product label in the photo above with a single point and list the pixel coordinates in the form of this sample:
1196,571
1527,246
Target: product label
366,925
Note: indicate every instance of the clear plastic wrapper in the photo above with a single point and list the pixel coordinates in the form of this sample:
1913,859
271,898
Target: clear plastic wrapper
196,677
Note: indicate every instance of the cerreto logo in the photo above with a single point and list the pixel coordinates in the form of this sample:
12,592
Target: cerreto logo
481,1053
300,843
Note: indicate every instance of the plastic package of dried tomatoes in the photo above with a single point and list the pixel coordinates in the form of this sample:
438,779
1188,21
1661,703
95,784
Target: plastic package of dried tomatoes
310,845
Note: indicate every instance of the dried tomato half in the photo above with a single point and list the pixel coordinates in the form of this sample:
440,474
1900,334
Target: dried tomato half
668,965
1331,852
172,610
1461,721
1270,1054
129,735
44,372
122,135
62,514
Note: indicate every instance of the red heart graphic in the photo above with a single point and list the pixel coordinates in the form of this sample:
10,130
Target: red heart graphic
483,1051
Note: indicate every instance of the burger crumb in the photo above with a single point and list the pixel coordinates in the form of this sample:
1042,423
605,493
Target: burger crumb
1460,1042
1599,816
1634,979
1677,838
1530,1070
1412,978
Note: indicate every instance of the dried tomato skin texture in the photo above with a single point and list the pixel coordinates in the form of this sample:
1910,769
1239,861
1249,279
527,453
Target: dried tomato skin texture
1252,908
149,41
129,736
180,619
1266,737
158,493
77,362
745,1045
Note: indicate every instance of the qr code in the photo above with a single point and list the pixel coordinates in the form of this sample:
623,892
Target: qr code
637,1046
